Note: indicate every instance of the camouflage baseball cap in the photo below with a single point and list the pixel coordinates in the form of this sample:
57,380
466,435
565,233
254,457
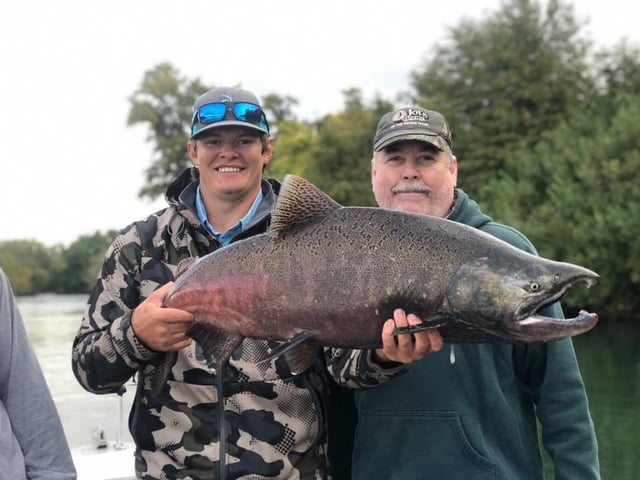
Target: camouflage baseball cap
227,106
413,123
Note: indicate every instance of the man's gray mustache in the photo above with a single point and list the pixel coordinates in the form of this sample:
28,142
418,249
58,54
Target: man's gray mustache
411,188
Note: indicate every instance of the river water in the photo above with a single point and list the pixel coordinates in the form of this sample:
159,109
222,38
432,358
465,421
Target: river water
609,360
52,322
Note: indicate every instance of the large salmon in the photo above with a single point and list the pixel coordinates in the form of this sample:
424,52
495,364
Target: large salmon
331,275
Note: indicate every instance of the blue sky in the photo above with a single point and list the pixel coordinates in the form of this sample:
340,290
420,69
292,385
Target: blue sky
71,166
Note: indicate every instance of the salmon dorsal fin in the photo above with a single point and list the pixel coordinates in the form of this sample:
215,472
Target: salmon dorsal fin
299,202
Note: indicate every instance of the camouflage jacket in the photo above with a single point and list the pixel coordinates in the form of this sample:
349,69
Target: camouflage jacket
272,422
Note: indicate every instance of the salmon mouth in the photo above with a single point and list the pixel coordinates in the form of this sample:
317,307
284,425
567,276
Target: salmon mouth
535,326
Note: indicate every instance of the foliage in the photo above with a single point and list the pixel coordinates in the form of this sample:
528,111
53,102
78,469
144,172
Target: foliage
583,183
34,268
29,265
503,80
341,160
618,72
82,262
278,110
293,149
164,102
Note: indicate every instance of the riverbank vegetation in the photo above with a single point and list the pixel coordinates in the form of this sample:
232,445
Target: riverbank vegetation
545,127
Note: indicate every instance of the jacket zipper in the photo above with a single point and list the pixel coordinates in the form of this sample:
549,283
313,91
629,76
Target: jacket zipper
222,464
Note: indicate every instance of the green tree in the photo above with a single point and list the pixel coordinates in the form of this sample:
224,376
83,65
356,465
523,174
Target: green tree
503,80
583,180
29,265
163,102
576,193
344,148
293,149
278,109
82,261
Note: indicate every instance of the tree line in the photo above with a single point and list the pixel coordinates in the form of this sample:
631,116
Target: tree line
35,268
546,129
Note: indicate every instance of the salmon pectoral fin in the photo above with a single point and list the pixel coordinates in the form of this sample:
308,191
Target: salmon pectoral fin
301,357
217,344
160,375
298,354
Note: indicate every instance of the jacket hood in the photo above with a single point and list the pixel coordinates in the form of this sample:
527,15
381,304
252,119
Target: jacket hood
181,194
467,211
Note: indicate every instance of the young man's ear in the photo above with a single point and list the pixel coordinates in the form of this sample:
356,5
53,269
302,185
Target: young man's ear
267,154
192,151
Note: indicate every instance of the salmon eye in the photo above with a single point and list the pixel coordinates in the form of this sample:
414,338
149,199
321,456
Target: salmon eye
534,287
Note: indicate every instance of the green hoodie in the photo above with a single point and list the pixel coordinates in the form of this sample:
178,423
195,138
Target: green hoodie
469,411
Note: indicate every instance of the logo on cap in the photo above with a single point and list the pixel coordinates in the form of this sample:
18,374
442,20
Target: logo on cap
410,115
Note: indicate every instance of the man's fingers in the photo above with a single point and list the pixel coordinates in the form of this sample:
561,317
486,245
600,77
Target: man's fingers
407,347
405,340
388,339
161,328
426,341
157,297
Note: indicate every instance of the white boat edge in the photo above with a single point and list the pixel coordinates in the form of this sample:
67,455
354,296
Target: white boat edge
114,461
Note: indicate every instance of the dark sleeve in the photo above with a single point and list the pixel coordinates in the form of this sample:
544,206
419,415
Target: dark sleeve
550,374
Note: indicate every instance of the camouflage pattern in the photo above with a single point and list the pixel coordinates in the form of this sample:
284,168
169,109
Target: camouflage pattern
357,369
272,422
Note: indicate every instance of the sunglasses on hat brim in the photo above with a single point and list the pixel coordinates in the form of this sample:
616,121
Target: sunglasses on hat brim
242,111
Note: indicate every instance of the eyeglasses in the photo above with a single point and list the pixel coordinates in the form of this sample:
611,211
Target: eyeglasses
242,111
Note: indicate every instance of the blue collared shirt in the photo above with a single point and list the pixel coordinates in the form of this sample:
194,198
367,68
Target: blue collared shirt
225,237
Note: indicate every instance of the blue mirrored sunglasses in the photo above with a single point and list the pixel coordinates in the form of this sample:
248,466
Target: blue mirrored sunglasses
242,111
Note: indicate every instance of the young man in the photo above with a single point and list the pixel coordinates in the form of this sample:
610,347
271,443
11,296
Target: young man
470,410
32,441
246,420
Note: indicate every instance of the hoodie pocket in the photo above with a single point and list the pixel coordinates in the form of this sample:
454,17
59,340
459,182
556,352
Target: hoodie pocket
416,445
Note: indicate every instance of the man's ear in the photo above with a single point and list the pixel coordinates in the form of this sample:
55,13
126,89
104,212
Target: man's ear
192,151
267,154
373,169
453,168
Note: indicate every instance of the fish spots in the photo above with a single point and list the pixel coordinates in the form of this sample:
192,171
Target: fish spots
331,270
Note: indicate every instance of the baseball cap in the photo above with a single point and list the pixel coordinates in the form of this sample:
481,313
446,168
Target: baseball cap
227,106
413,123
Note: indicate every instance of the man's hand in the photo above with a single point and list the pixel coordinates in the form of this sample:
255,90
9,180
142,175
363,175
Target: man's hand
161,329
406,348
